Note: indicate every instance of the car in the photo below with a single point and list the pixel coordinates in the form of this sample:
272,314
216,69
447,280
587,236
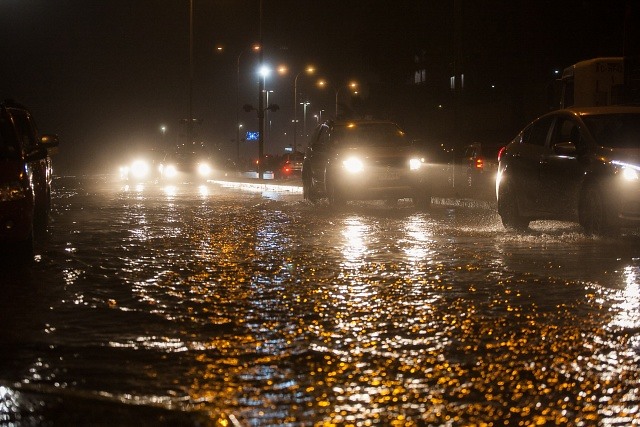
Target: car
187,165
142,166
291,165
476,170
362,160
577,164
25,178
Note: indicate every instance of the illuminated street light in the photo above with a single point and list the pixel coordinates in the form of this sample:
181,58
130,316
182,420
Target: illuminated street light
304,117
254,48
308,70
351,85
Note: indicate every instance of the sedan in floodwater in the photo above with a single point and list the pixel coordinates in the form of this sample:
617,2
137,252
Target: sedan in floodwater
359,160
578,164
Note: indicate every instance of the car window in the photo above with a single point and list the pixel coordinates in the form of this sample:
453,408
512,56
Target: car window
25,129
322,140
8,141
536,133
615,130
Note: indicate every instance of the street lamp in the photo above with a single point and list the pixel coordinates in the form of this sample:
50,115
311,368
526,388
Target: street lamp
261,109
255,48
308,70
163,130
304,117
352,86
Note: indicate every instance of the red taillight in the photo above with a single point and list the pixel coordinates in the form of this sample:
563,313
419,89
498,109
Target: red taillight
501,152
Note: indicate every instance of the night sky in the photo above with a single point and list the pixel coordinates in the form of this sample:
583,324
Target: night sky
105,75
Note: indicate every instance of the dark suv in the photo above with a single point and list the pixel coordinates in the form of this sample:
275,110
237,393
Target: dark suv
25,178
362,160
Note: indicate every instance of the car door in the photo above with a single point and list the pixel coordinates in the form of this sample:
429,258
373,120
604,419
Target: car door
562,168
525,168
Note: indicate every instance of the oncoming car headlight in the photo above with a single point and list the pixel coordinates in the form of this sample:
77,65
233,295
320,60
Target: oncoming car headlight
353,165
139,169
628,171
415,163
204,169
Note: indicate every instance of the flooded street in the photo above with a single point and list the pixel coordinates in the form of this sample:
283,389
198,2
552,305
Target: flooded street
217,306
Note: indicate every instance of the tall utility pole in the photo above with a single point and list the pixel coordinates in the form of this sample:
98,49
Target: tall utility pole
190,122
261,105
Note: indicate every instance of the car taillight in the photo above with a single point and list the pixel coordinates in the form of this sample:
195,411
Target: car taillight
501,152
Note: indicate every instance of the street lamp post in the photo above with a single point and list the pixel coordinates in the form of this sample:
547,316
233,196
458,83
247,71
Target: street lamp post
304,117
308,70
163,130
255,48
267,118
352,85
190,124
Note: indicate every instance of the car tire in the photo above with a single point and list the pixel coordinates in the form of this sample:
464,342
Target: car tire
508,208
308,191
595,214
336,199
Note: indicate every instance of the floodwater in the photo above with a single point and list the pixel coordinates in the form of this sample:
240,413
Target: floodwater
218,306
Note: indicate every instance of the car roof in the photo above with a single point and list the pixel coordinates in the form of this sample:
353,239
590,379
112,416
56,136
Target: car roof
609,109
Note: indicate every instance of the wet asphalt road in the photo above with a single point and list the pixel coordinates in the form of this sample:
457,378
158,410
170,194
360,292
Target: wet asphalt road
221,306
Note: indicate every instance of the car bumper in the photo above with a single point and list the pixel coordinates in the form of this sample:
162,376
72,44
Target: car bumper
382,185
629,211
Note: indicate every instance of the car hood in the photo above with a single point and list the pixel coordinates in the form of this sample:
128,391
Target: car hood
626,155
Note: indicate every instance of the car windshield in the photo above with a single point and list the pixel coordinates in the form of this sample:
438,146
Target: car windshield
615,130
369,135
8,143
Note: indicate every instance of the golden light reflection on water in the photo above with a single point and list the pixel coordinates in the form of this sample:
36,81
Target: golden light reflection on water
361,329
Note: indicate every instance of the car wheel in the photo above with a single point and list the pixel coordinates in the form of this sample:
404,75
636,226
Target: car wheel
336,199
508,208
308,191
595,214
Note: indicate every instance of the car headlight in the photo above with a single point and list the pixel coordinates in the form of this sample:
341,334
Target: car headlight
139,169
415,164
353,165
204,169
628,171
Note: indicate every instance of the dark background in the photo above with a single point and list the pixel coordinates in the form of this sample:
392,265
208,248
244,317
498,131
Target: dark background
105,75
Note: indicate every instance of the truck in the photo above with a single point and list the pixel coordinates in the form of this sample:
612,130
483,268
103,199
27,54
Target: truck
600,81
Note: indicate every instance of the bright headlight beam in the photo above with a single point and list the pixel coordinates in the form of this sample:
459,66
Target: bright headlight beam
415,164
204,169
353,165
139,169
629,172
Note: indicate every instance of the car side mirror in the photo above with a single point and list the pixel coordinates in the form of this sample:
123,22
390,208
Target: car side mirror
49,141
565,148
